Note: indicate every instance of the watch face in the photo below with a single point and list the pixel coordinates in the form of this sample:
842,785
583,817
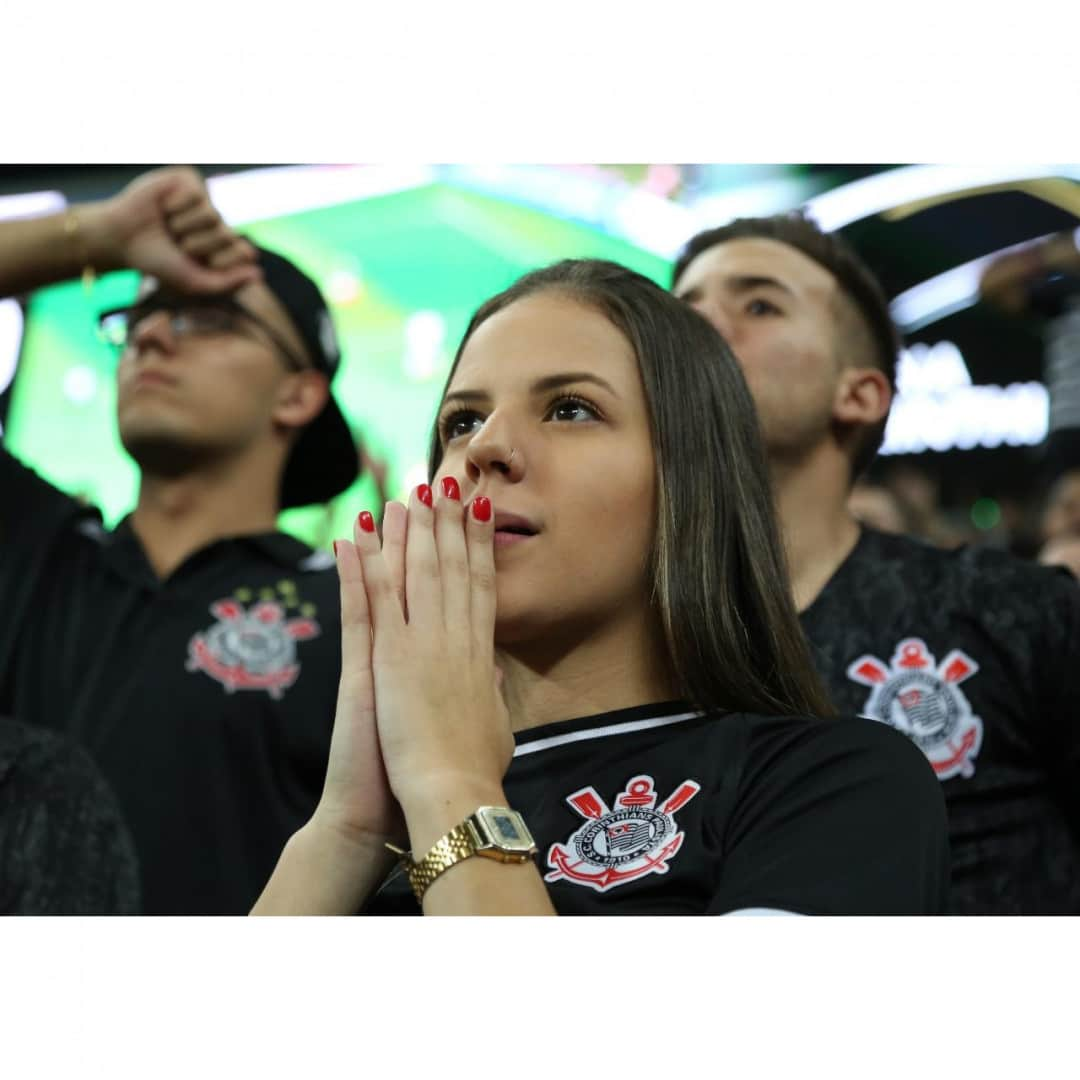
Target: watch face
505,828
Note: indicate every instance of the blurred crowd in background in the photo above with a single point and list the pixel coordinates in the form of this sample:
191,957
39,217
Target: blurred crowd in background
906,498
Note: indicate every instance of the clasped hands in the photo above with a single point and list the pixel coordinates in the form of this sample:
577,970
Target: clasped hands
421,733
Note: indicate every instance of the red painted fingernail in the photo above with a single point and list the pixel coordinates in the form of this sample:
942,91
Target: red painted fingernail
366,521
450,488
481,508
335,549
423,493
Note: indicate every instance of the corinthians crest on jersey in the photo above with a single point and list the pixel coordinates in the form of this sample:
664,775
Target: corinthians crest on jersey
250,649
613,847
924,701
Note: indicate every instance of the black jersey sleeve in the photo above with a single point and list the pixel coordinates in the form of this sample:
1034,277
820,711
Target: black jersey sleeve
64,848
30,507
32,514
839,817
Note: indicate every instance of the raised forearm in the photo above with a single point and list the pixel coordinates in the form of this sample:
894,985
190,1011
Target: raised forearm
44,250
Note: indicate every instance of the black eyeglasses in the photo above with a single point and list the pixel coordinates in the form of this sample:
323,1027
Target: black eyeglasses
193,316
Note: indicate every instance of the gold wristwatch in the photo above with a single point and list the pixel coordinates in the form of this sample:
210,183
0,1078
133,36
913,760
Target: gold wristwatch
491,831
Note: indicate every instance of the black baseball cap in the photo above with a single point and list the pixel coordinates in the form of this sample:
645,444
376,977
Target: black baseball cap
324,459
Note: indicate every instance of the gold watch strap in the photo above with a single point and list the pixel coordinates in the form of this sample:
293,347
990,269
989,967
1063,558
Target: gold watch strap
460,843
455,846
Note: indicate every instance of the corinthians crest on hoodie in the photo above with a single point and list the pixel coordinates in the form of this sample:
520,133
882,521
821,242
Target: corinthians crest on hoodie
974,656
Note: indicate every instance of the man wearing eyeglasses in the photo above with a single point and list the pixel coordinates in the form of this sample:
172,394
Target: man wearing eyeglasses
194,649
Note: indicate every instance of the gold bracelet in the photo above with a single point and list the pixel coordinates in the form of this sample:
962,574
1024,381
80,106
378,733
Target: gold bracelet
74,231
493,832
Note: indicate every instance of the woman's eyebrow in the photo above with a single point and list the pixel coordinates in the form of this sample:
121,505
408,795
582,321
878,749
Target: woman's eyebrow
540,386
468,397
553,382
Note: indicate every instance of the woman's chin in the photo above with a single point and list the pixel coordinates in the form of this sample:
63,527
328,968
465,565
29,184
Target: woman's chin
517,625
511,630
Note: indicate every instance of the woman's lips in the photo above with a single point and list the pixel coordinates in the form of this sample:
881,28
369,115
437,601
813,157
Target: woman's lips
511,529
504,538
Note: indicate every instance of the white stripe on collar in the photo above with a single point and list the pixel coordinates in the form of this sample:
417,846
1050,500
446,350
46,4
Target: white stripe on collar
602,732
762,911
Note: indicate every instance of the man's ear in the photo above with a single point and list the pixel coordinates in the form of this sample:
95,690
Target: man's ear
301,398
863,396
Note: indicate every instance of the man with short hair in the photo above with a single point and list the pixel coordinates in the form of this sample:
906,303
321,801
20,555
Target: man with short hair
194,649
971,653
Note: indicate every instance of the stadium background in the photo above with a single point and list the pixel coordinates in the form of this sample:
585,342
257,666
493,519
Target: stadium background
405,254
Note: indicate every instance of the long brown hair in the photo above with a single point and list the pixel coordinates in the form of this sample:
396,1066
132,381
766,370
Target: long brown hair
720,580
